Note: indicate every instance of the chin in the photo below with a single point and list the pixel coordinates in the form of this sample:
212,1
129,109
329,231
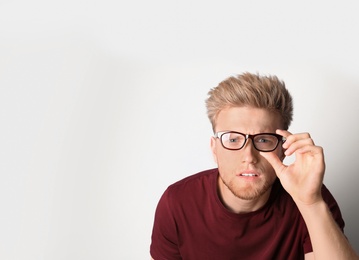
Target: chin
250,192
249,195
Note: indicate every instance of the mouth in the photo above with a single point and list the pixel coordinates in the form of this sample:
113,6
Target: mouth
248,175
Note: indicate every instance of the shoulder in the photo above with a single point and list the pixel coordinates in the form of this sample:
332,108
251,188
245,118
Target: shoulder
203,176
194,186
186,195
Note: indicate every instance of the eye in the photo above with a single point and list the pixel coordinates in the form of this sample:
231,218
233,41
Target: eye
233,140
263,140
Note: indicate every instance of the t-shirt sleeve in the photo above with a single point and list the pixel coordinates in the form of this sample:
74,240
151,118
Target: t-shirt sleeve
336,213
333,207
164,243
307,247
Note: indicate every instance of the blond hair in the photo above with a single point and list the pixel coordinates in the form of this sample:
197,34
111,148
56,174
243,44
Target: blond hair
252,90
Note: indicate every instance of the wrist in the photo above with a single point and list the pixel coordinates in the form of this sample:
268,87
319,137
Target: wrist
315,209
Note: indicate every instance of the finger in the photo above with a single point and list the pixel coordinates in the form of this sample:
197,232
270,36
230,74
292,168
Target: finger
283,133
274,160
297,145
311,149
292,138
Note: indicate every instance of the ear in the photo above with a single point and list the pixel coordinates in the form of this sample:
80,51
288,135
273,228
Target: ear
214,149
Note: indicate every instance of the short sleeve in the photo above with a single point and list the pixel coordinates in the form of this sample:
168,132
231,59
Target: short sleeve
164,243
333,207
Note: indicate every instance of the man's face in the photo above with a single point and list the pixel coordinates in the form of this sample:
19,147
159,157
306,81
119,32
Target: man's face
245,172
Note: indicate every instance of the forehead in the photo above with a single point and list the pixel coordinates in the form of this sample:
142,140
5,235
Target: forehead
249,120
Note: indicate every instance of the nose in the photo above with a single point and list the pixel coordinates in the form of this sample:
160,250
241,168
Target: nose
249,152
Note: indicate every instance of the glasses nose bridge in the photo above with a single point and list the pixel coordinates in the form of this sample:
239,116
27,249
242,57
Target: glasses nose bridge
248,136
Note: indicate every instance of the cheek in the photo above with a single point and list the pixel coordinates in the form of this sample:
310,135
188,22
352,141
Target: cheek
229,160
268,168
214,150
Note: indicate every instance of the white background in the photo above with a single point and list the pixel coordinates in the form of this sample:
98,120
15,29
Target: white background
102,107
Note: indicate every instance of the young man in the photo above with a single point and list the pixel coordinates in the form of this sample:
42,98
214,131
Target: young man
252,206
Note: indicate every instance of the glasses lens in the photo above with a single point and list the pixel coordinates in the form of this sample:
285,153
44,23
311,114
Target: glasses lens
233,140
265,142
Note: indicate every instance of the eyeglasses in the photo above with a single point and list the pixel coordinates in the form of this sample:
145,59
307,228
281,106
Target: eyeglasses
263,142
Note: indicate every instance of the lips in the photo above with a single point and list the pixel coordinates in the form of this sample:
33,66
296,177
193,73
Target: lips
248,175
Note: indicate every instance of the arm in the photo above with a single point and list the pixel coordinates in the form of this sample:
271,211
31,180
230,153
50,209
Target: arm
328,241
303,181
309,256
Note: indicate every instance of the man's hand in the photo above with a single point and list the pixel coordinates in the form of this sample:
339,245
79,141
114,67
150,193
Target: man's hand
303,181
303,178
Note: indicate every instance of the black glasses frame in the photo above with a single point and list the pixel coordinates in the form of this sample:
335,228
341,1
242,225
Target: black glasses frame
248,136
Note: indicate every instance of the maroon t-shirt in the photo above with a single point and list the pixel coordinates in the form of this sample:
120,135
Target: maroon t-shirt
192,223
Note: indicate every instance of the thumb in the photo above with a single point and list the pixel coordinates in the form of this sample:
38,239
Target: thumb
274,160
